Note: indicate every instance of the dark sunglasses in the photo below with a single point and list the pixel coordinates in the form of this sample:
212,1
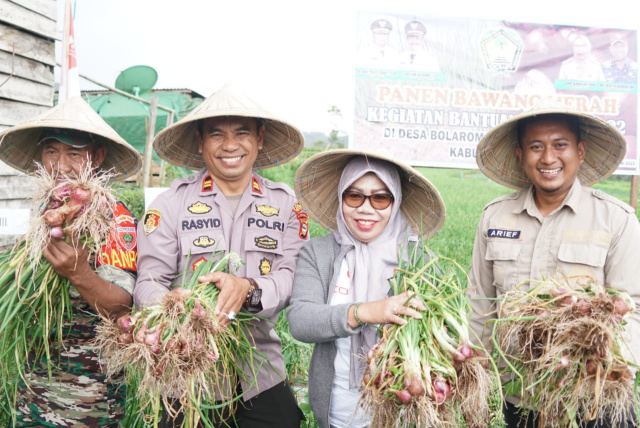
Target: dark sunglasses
378,201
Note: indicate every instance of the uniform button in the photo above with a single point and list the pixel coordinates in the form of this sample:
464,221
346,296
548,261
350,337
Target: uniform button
597,193
191,177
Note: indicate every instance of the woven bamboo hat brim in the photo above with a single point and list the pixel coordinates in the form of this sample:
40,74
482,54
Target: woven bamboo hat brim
316,186
178,144
496,157
19,145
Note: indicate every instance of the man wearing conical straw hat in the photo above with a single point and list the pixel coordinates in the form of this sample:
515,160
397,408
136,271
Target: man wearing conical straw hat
227,206
64,140
553,226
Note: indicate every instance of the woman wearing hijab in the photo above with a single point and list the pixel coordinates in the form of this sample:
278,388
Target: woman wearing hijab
374,207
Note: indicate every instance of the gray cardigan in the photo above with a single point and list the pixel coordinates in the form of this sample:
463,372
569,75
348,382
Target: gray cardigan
312,320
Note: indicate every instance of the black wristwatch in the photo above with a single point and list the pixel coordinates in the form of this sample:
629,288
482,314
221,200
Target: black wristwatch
254,295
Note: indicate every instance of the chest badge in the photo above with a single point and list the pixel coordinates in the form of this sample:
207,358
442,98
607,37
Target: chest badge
151,220
197,262
503,233
265,266
204,242
266,242
199,208
267,210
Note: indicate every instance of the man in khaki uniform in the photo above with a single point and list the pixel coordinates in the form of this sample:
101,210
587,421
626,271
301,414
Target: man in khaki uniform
226,206
553,226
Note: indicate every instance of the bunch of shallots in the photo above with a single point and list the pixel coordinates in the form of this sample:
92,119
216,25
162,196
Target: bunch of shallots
425,373
564,346
175,351
36,311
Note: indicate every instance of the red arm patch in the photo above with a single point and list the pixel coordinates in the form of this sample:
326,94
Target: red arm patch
121,250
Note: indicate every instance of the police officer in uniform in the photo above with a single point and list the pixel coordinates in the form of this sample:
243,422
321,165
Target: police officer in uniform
553,226
379,54
417,56
227,206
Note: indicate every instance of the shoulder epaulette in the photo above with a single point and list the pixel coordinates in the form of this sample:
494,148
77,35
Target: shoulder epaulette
606,197
507,197
276,185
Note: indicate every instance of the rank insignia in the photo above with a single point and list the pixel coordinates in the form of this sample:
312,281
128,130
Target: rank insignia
265,266
199,208
266,242
207,184
197,262
255,185
151,220
204,242
267,210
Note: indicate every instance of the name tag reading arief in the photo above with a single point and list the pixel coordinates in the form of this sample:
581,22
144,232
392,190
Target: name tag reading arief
501,233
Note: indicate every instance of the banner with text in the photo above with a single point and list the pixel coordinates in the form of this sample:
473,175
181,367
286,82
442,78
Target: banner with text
427,89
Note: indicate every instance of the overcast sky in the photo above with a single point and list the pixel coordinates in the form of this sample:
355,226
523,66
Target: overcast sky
294,57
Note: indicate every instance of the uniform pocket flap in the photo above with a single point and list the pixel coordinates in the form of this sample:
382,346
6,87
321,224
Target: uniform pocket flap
582,253
497,250
260,240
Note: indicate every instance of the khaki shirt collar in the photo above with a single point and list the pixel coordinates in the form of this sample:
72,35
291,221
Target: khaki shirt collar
527,203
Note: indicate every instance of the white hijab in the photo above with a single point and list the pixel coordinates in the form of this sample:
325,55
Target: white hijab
371,264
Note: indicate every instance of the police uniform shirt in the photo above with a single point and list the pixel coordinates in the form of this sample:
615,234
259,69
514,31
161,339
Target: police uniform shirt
267,232
628,73
590,233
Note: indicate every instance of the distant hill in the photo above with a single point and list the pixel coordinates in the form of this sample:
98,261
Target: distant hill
310,138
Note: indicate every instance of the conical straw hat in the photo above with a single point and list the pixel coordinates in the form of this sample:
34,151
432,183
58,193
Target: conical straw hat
496,155
178,145
19,145
316,186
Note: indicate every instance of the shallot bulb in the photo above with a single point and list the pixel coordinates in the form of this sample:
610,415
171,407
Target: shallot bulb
56,232
403,395
53,217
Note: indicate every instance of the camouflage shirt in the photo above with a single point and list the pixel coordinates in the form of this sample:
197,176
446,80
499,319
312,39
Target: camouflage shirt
78,394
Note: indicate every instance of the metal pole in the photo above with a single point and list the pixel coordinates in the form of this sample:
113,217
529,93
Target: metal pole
148,148
126,94
162,163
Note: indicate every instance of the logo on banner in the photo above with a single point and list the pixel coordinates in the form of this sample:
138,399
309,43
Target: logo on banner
501,50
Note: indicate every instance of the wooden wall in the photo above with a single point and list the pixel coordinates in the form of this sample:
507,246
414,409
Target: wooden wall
27,56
